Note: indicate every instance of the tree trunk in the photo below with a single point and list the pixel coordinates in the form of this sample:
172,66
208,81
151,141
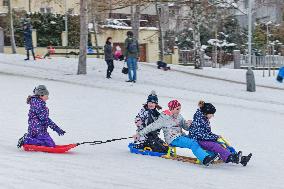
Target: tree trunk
196,21
197,58
161,38
12,36
30,6
96,37
82,65
136,21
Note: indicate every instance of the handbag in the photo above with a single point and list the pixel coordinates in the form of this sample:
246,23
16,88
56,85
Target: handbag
124,69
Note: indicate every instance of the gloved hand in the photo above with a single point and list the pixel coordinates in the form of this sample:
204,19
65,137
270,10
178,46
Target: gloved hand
136,137
61,132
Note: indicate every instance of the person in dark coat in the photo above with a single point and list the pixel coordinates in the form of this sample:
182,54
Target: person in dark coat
131,54
109,57
28,40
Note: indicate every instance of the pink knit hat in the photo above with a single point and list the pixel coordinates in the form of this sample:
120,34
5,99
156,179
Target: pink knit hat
173,104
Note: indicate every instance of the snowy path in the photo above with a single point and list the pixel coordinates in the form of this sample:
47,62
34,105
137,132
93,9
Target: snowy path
91,107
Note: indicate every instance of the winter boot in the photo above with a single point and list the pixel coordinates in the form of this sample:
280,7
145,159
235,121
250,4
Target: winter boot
21,141
238,157
245,159
209,159
28,55
234,158
33,54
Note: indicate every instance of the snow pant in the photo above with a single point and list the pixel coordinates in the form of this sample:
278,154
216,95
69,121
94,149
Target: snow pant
40,140
132,67
216,148
186,142
110,67
153,141
28,53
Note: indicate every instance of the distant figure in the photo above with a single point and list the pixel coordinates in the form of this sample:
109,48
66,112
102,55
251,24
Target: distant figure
280,75
163,65
118,53
90,50
131,54
28,40
108,57
50,51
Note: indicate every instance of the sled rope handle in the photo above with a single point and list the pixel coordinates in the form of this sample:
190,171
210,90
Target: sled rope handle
103,142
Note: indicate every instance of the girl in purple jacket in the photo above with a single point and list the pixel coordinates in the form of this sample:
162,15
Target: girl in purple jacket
200,130
39,120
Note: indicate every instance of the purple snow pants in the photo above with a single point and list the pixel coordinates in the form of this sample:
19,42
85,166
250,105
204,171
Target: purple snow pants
40,140
216,148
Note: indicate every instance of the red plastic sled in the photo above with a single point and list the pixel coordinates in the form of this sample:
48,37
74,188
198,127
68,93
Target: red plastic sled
56,149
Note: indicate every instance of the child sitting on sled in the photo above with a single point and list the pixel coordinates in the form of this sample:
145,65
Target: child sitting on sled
172,123
200,130
147,115
39,120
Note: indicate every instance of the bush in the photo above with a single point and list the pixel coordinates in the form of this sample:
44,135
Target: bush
49,28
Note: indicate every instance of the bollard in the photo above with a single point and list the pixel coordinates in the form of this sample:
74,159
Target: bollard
237,59
250,80
1,40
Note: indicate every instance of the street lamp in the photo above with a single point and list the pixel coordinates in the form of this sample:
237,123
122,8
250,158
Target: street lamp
249,75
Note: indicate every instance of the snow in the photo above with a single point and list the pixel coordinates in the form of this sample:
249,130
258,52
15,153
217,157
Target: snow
91,107
220,43
127,27
203,47
120,24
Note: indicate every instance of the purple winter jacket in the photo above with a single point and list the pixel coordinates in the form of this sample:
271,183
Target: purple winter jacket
39,121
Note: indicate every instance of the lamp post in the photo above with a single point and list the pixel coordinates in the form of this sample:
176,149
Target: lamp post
249,74
66,23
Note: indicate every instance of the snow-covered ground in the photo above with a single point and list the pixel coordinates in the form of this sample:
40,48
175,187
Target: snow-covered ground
91,107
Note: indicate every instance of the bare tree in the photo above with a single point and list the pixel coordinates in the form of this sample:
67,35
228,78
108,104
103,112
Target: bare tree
135,21
12,36
161,38
82,65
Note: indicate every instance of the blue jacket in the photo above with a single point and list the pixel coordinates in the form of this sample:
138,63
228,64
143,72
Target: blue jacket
200,128
281,72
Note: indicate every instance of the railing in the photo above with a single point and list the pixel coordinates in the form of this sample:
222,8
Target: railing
267,61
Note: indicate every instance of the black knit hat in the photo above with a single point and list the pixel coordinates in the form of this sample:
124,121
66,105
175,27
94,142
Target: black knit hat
153,98
207,108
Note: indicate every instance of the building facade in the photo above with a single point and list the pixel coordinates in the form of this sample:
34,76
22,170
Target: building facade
43,6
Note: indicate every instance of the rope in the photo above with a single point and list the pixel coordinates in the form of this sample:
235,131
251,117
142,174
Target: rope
103,142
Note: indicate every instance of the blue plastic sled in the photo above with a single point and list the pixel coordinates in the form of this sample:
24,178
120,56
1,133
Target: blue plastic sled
143,152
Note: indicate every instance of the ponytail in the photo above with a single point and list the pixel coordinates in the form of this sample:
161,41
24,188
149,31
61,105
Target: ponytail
29,99
201,103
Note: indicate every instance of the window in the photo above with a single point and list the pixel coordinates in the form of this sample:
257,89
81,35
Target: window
172,12
45,10
246,3
42,10
5,3
70,11
48,10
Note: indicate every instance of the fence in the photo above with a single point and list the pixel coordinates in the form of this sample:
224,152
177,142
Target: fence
186,57
264,62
